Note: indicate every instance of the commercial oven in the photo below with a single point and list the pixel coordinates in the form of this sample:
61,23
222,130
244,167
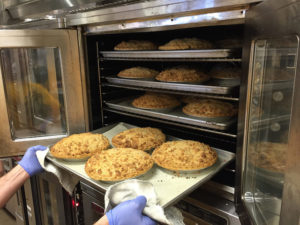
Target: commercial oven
58,82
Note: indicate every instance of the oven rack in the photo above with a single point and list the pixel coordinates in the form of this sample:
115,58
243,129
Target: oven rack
175,115
210,87
227,55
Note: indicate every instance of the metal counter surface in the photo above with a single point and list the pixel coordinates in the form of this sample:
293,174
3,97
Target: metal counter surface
169,185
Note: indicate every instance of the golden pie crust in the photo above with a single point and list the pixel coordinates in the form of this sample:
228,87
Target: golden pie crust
135,45
79,146
155,101
118,164
138,72
226,73
184,155
142,138
182,74
210,108
268,155
186,43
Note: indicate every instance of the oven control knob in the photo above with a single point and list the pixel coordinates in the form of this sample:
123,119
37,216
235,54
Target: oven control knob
275,127
277,96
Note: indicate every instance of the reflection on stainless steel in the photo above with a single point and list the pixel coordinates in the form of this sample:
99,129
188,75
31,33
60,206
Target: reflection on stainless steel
220,18
153,9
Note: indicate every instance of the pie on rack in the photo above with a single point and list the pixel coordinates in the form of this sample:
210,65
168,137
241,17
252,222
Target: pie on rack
79,146
184,155
182,74
138,72
186,43
135,45
268,155
155,101
210,108
118,164
142,138
226,73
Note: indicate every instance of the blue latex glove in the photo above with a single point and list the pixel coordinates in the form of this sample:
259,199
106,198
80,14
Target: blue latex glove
30,162
129,213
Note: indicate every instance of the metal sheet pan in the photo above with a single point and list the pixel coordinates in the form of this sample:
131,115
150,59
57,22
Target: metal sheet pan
175,54
210,87
176,115
161,179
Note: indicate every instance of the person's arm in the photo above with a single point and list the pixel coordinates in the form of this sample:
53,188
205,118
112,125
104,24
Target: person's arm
14,179
11,182
128,212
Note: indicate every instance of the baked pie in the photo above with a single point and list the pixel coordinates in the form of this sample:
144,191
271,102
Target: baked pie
142,138
79,146
210,108
186,43
268,155
155,101
118,164
135,45
138,72
226,73
184,155
182,74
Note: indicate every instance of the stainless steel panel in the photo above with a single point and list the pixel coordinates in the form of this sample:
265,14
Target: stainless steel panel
174,55
175,115
152,9
174,22
208,87
72,82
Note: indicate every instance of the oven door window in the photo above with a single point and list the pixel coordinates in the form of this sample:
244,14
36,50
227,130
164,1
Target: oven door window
33,89
274,71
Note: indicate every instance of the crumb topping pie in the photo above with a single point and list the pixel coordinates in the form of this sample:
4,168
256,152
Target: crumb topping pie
118,164
186,43
182,74
226,73
210,108
79,146
135,45
184,155
142,138
155,101
138,72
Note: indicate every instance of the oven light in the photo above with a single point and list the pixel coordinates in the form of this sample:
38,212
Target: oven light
75,204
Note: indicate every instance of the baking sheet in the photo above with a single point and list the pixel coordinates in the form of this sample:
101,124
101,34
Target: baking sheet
210,87
169,187
176,115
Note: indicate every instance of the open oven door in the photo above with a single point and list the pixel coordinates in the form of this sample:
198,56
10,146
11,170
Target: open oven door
42,88
268,182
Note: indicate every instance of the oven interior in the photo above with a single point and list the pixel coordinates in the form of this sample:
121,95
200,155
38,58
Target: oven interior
102,91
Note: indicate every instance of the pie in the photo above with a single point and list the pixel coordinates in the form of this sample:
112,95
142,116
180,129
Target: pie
118,164
186,43
230,43
182,74
210,108
155,101
135,45
138,72
79,146
184,155
268,155
144,138
226,73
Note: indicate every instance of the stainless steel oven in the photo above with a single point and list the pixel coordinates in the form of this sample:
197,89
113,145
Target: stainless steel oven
268,50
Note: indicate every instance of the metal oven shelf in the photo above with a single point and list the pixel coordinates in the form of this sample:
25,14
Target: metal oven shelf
209,87
176,115
182,55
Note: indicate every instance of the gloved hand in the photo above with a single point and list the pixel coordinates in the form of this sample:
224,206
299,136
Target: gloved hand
30,162
129,213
